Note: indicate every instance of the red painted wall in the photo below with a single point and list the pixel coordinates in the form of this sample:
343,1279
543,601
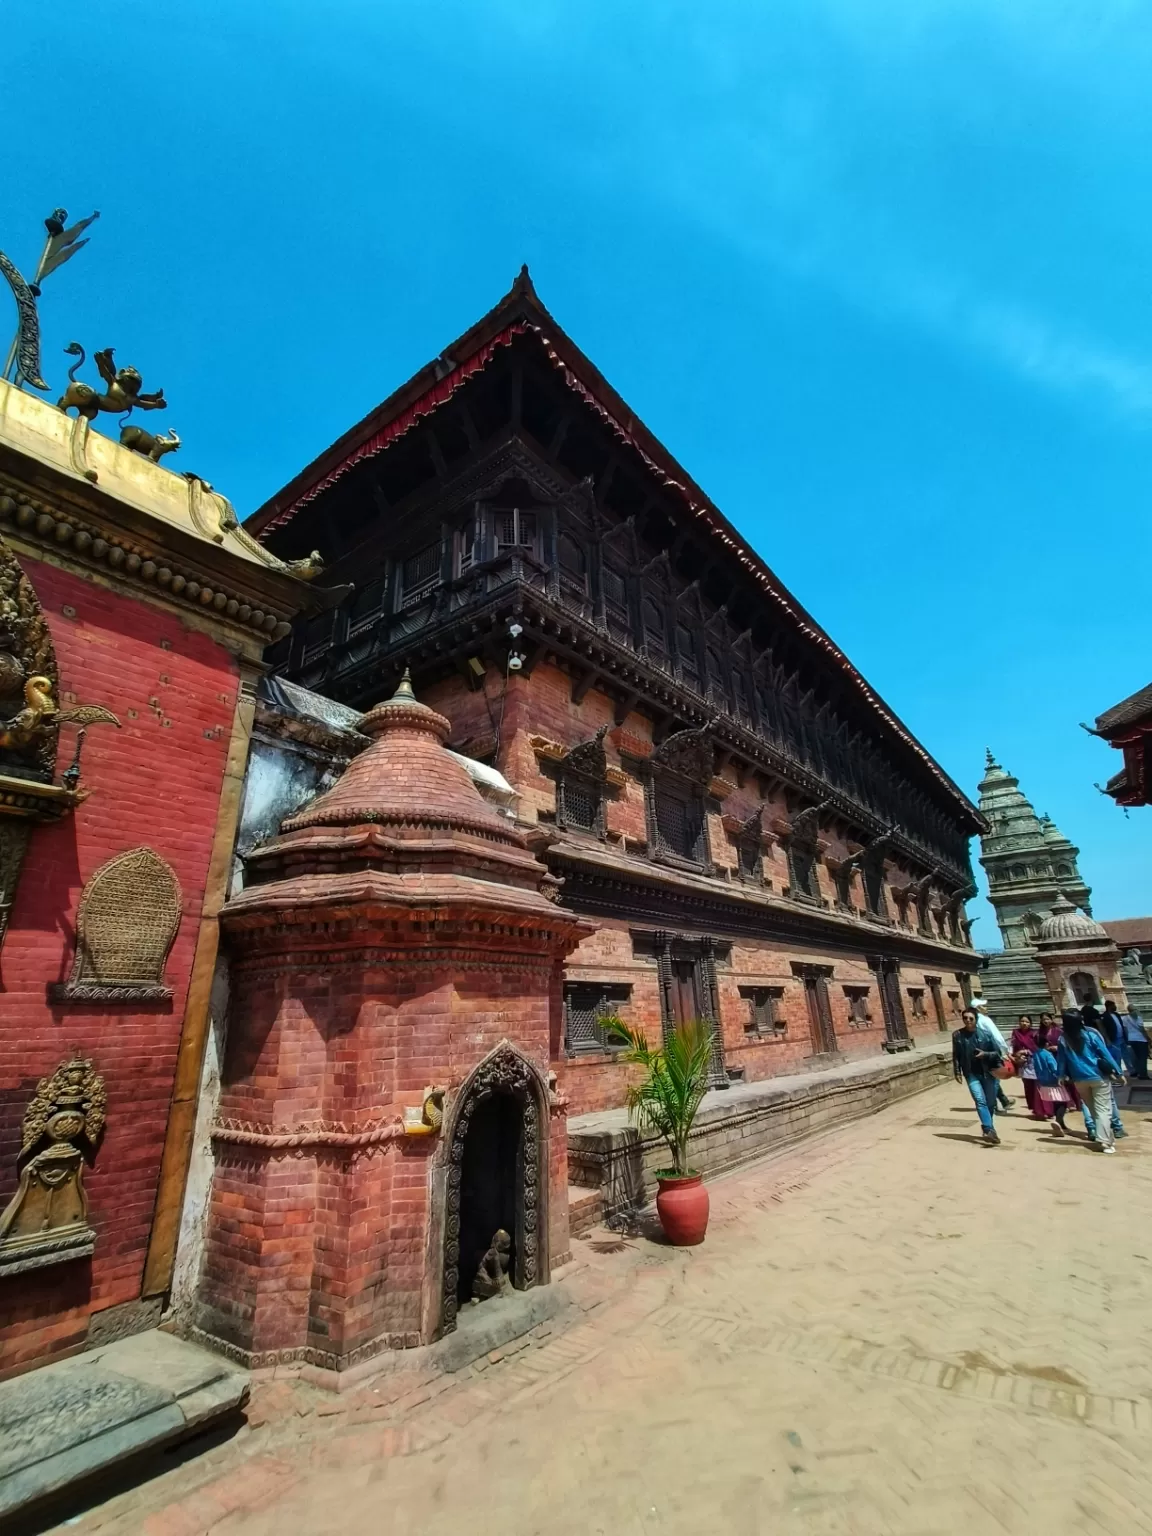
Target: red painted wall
156,781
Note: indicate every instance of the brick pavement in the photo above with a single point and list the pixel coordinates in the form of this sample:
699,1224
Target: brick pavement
892,1330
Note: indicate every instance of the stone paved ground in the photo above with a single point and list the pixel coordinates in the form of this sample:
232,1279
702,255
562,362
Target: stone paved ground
892,1330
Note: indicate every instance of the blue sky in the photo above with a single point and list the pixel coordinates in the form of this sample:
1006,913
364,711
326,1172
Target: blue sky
879,274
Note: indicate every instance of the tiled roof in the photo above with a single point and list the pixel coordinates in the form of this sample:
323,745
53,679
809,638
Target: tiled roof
1127,931
1126,712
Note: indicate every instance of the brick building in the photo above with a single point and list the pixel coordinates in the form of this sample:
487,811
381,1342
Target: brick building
133,616
755,835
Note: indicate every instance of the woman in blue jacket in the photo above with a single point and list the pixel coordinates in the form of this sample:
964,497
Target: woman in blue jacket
1083,1057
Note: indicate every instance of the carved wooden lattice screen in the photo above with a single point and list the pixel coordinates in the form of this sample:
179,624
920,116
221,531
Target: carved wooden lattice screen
678,823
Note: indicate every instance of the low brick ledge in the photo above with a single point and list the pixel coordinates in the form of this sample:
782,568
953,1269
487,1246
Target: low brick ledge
607,1151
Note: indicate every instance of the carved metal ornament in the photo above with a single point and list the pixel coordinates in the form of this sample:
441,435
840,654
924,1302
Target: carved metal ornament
23,360
27,343
47,1218
504,1071
151,445
123,392
127,921
29,681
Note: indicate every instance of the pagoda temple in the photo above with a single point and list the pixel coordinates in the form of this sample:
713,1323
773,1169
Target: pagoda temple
756,837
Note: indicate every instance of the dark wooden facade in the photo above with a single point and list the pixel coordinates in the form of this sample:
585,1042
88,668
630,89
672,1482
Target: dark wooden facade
709,774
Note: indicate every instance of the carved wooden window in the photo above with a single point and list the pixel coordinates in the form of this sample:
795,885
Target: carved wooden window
874,887
573,566
716,687
467,547
739,694
365,605
679,818
586,1002
763,1010
916,998
318,635
420,575
126,923
516,529
686,655
843,875
859,1009
579,803
750,854
802,871
652,620
615,588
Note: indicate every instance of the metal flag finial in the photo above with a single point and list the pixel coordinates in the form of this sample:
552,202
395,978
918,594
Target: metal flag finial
22,365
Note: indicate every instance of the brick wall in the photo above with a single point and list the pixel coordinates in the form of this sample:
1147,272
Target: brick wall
156,781
541,705
325,1250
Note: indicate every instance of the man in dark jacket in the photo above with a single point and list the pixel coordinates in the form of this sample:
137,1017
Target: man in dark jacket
973,1059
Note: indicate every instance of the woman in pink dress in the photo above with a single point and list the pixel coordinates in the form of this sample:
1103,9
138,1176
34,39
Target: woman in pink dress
1024,1046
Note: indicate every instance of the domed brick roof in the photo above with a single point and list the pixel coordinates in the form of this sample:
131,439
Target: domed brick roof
1069,923
405,826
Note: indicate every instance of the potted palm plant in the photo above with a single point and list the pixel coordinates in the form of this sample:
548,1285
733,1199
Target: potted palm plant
666,1099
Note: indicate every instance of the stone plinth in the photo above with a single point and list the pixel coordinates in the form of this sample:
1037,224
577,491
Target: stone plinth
609,1153
396,986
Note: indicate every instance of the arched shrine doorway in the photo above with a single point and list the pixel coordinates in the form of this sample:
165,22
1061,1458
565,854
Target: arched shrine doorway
497,1177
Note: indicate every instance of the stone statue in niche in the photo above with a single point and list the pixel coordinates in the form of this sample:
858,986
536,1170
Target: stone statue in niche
492,1275
47,1218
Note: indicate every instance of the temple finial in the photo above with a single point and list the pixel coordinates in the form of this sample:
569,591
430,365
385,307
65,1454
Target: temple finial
523,283
404,690
989,760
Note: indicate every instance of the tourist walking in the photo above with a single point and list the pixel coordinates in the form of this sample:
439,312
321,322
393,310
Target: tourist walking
973,1062
1111,1026
1024,1046
995,1039
1111,1031
1048,1038
1137,1044
1051,1093
1083,1057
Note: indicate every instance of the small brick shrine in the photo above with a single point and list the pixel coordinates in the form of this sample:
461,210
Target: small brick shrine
386,1106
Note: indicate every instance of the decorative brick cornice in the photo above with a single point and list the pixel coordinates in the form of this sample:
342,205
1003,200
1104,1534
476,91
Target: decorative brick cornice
133,560
300,1140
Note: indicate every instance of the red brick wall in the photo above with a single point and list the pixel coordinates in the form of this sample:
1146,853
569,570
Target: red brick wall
326,1251
156,781
541,705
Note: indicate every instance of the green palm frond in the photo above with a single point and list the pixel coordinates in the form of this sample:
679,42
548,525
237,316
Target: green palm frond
668,1097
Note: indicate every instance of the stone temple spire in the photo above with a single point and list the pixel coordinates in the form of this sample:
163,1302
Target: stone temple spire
1028,861
1031,866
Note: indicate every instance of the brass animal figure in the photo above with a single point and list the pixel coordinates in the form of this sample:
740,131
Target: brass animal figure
432,1113
40,711
122,395
152,445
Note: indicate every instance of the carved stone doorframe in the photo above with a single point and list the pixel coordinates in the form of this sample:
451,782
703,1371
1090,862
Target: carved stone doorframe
504,1070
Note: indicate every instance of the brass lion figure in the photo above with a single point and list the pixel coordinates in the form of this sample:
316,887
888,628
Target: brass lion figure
122,395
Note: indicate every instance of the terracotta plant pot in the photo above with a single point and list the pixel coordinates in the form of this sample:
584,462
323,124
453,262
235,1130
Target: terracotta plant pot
682,1203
